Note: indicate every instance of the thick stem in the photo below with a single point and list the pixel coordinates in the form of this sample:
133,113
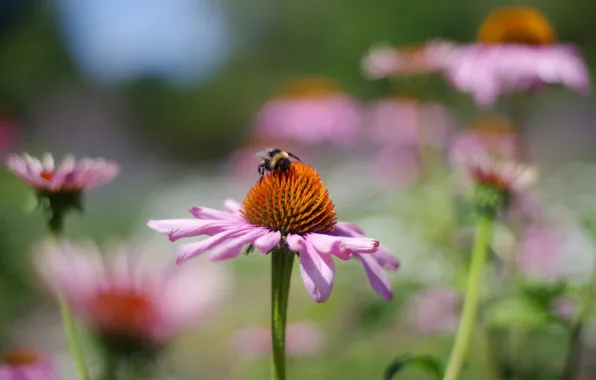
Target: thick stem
282,261
467,323
573,362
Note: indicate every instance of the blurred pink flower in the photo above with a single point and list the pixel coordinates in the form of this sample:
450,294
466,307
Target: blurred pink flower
435,310
488,136
407,122
311,111
307,228
564,308
69,175
516,52
385,61
501,174
490,71
129,296
540,252
27,365
401,165
302,339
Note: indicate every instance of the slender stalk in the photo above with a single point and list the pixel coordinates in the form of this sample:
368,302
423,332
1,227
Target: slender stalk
467,323
66,315
71,337
282,261
573,361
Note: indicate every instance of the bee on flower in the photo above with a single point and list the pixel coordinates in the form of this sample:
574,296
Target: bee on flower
292,210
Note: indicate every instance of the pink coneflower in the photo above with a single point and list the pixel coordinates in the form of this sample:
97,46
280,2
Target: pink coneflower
386,61
310,111
26,365
501,174
291,209
129,299
515,52
302,339
435,311
492,136
69,176
401,121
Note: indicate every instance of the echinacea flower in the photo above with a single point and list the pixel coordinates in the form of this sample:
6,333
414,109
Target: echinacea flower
515,52
435,310
26,365
290,209
492,136
128,300
69,176
497,180
403,121
310,111
303,339
386,61
59,189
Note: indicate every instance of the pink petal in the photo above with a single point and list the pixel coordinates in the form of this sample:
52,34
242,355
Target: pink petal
341,246
232,248
376,276
386,260
268,241
317,270
190,250
233,206
181,228
211,213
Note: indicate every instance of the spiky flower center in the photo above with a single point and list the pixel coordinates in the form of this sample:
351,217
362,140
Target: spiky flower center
521,25
491,179
47,175
21,357
122,312
296,202
311,87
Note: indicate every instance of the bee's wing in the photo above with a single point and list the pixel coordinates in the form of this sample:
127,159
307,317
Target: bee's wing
264,153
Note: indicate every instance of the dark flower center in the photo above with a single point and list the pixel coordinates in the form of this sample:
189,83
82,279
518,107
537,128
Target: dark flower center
516,25
21,357
123,312
296,202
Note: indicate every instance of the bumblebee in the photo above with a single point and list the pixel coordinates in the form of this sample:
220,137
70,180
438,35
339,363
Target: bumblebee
274,159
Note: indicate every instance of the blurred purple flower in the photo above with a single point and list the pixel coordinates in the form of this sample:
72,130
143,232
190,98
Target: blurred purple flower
131,296
540,252
515,53
400,165
488,136
408,122
311,111
435,311
302,339
564,308
27,365
307,227
44,175
116,40
385,61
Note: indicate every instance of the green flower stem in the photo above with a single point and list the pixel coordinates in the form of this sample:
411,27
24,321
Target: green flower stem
282,260
573,362
68,324
467,323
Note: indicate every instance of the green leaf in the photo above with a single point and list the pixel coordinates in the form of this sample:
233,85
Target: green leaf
427,363
518,312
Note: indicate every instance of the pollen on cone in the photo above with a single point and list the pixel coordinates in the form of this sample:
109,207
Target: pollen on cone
524,25
295,202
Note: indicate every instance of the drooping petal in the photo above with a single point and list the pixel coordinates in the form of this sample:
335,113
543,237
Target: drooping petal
317,270
268,241
232,248
190,250
341,246
233,206
182,228
376,276
210,213
385,259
